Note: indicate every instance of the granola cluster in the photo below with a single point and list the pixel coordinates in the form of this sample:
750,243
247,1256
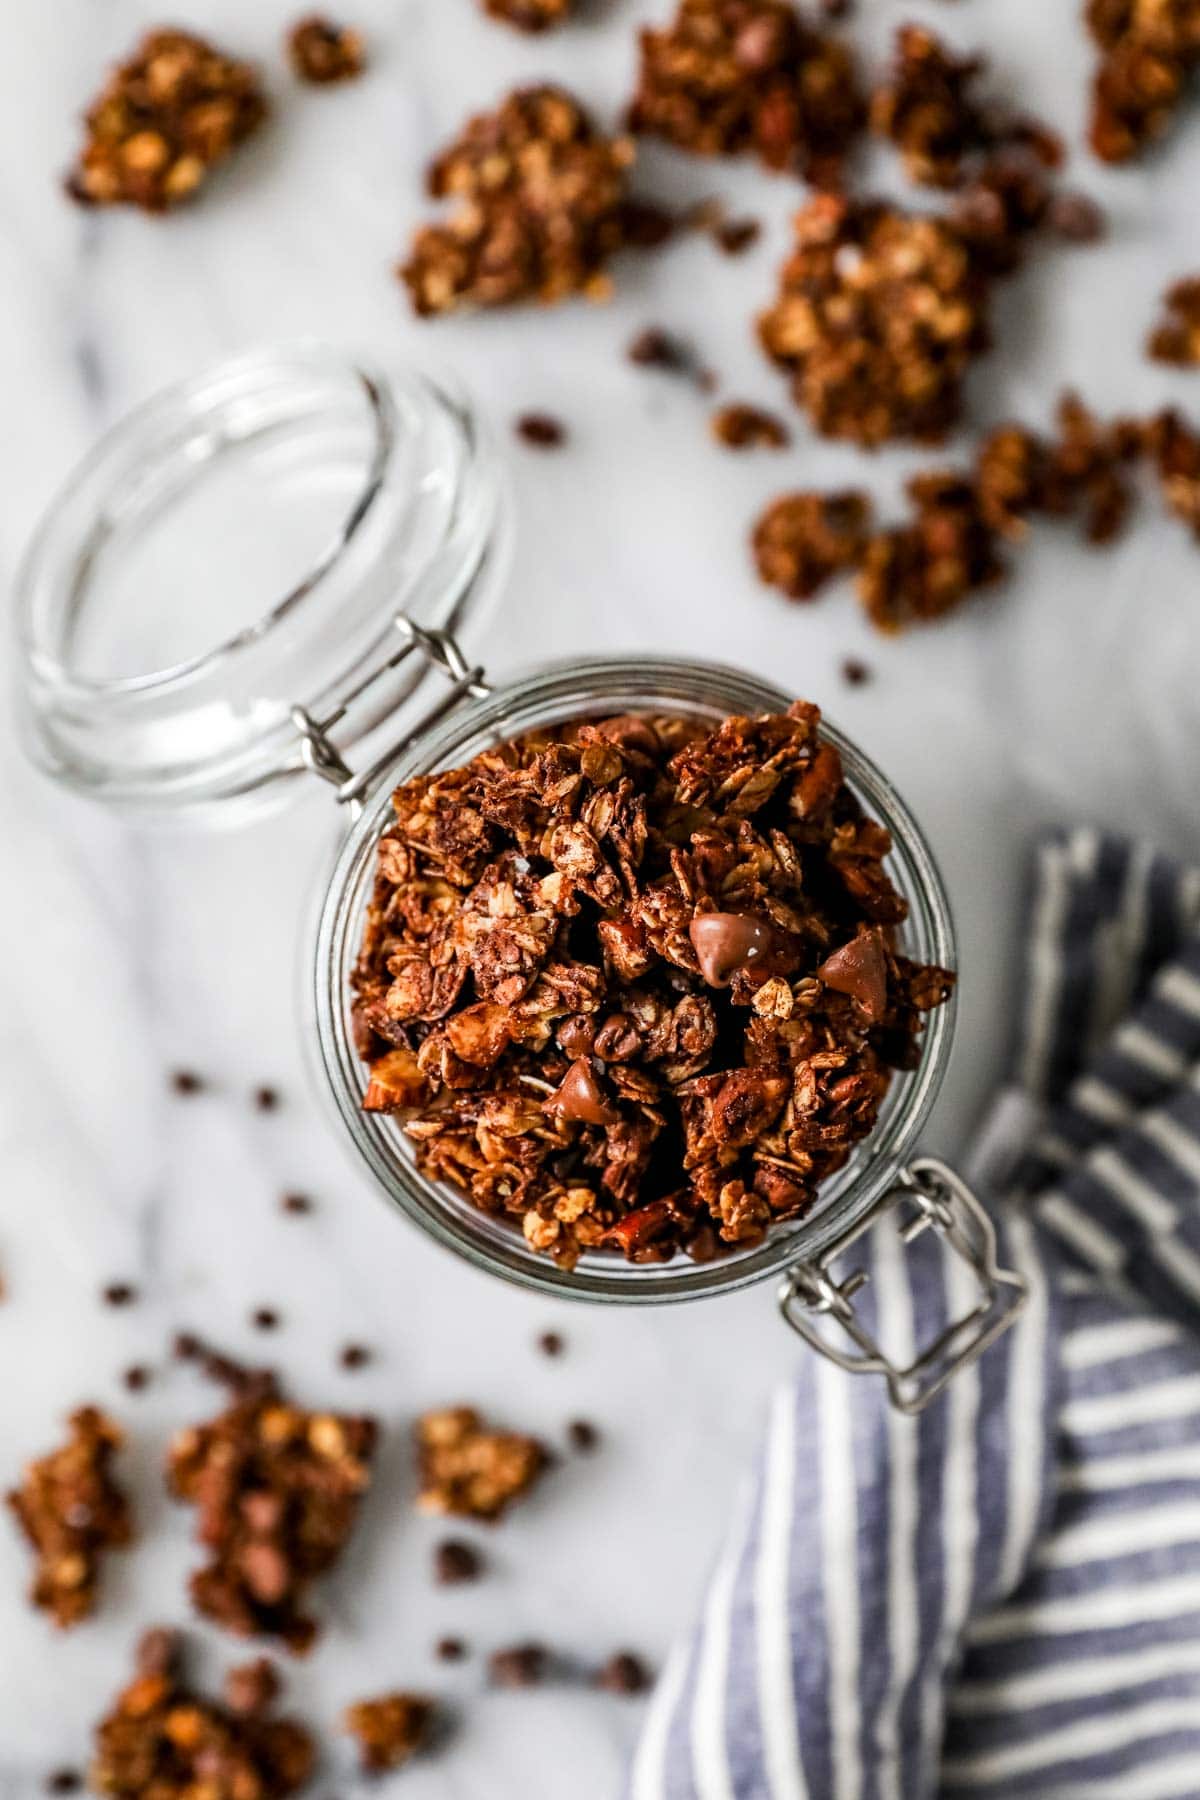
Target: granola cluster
928,108
277,1492
71,1510
528,15
733,76
541,206
631,983
162,122
1149,52
950,546
163,1741
389,1729
1176,338
470,1470
322,52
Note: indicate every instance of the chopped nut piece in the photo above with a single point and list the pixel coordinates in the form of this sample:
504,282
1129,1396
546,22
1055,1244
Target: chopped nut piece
734,76
880,314
623,1673
541,206
629,884
163,1740
390,1729
162,121
471,1471
277,1491
742,427
1176,338
71,1510
322,52
520,1666
802,540
528,15
1149,53
941,128
541,431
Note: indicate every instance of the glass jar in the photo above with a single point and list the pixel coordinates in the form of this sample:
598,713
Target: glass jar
370,505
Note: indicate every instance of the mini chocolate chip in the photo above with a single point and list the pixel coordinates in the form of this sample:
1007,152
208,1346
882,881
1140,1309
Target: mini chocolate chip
859,969
450,1649
355,1356
541,431
579,1098
551,1343
295,1203
186,1082
582,1435
119,1293
521,1665
726,943
623,1673
265,1319
456,1561
855,673
136,1378
64,1781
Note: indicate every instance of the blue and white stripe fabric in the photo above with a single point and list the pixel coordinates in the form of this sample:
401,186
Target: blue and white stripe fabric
1000,1598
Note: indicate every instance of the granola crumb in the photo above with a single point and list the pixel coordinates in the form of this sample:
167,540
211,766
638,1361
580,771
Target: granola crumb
471,1471
450,1649
529,15
1176,337
354,1356
1076,218
137,1378
733,237
322,52
582,1436
455,1561
856,673
266,1099
63,1781
739,426
163,1738
265,1318
389,1729
296,1204
624,1673
162,122
803,540
551,1343
541,431
733,77
186,1083
71,1510
519,1666
119,1293
277,1492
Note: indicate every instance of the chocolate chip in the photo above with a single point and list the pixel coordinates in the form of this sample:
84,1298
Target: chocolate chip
450,1649
859,969
296,1204
455,1561
1076,218
541,431
185,1082
266,1099
119,1293
579,1098
623,1673
855,673
726,943
355,1356
521,1665
582,1435
551,1343
265,1319
136,1378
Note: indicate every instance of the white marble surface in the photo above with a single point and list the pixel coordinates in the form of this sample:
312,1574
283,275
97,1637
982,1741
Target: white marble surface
1073,693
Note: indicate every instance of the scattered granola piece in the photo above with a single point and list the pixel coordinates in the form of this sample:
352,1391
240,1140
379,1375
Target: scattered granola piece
734,76
450,1649
542,207
1149,53
741,427
162,122
119,1293
1174,449
927,108
1076,218
161,1739
265,1318
528,15
735,236
266,1099
64,1781
558,987
455,1561
655,348
136,1378
1089,461
186,1083
802,540
1014,478
71,1510
471,1471
541,431
551,1343
919,571
1176,338
855,673
296,1204
623,1673
519,1666
321,52
582,1436
879,315
277,1492
354,1356
390,1729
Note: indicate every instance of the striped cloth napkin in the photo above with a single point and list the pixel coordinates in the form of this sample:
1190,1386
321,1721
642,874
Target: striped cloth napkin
1002,1596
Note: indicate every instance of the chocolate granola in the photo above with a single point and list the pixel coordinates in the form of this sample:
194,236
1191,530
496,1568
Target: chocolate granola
629,984
1176,337
470,1470
529,15
921,570
163,1741
163,121
1150,50
541,206
322,52
71,1510
277,1492
754,76
803,540
389,1729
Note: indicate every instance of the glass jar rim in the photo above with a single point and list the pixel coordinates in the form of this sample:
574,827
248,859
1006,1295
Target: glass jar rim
575,689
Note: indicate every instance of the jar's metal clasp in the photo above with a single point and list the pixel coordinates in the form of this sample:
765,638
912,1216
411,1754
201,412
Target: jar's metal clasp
941,1200
442,652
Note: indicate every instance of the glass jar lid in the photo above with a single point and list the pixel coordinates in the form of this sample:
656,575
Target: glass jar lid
236,555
